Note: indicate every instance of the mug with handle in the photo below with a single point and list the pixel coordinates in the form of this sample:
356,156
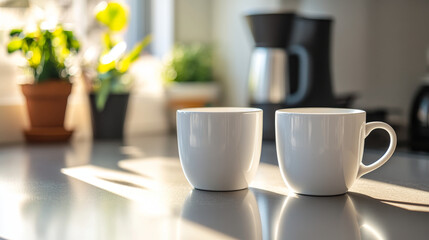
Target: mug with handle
320,150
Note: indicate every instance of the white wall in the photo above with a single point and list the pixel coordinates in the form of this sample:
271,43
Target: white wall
193,21
399,39
138,23
162,26
378,49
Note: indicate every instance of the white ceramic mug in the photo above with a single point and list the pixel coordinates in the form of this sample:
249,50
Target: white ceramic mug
320,149
219,148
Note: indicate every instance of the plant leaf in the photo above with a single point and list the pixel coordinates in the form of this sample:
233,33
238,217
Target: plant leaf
189,63
72,42
109,59
15,44
107,41
102,94
113,15
106,67
15,32
124,63
46,71
45,50
34,56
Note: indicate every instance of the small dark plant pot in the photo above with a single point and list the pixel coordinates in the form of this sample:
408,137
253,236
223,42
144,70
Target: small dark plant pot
109,123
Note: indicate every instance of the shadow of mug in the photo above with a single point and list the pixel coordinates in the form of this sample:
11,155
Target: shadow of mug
234,213
305,217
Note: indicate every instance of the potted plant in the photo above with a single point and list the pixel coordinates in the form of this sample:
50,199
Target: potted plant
189,79
110,88
47,50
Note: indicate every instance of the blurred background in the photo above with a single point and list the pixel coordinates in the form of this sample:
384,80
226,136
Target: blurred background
378,57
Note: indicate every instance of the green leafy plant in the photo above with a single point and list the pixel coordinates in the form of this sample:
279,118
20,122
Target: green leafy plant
189,63
47,51
114,63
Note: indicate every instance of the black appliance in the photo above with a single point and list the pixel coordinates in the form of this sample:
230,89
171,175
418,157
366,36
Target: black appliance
290,64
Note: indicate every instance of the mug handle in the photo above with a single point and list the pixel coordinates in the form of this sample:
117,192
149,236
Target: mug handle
364,169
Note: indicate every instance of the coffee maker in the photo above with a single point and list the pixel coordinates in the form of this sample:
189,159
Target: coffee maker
290,64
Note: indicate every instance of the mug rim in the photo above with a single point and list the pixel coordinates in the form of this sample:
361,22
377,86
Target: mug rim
215,110
319,111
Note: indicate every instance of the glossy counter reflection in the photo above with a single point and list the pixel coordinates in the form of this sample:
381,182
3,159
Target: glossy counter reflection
234,213
136,190
306,217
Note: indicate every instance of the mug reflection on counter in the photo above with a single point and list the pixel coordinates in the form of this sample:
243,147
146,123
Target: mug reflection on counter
234,213
306,217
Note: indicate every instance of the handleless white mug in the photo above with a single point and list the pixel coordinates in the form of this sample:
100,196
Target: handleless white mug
219,148
320,150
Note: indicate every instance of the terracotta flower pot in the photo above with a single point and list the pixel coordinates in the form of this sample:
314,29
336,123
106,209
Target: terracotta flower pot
190,95
46,103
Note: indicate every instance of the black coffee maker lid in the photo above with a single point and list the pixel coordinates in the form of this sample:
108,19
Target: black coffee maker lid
271,29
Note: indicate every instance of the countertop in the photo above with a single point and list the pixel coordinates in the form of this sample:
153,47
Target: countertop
135,189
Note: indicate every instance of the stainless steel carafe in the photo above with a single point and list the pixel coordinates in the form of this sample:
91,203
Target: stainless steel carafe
267,75
268,80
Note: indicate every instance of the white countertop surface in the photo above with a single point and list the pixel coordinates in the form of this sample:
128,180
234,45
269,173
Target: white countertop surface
136,190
